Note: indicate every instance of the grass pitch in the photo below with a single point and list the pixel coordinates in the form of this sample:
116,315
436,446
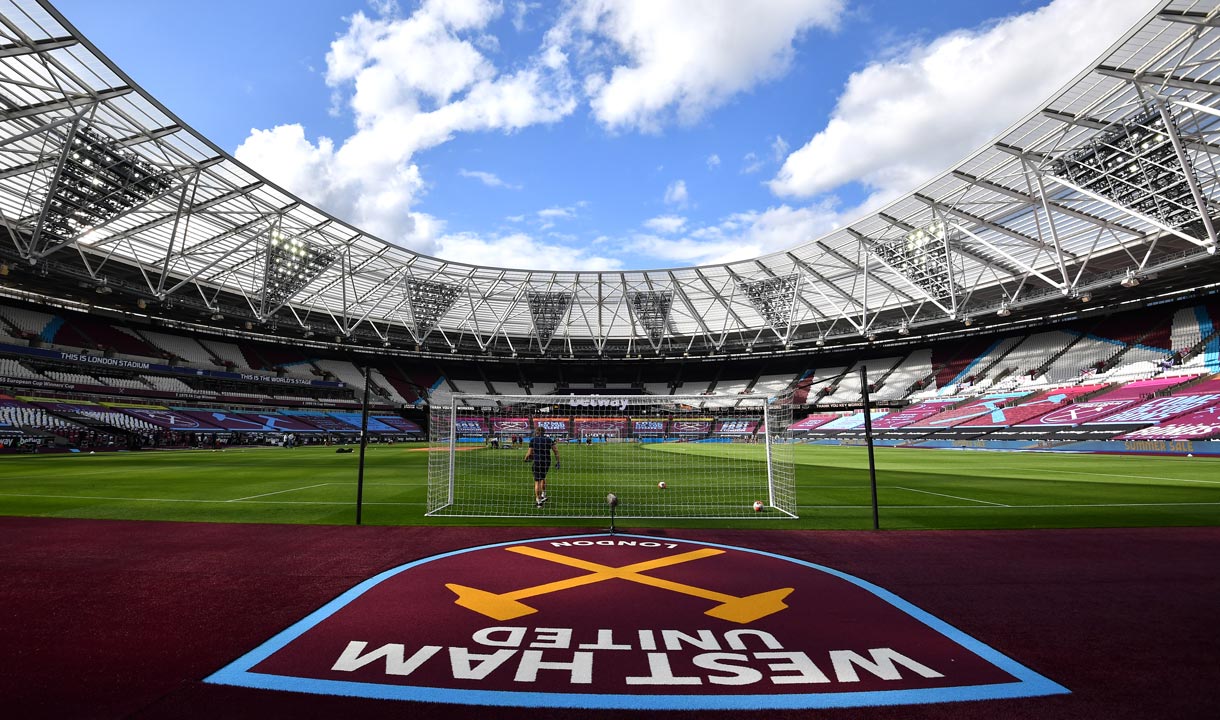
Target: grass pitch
916,488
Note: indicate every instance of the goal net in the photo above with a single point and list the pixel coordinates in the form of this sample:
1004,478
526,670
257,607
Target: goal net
663,456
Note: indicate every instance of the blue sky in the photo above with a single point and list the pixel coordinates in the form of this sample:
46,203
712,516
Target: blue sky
601,134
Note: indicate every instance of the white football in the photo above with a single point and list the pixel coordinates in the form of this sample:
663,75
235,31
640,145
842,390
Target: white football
758,506
661,484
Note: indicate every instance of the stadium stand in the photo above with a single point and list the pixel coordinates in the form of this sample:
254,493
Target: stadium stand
913,368
1020,367
225,353
14,369
848,389
773,384
391,391
28,323
187,349
972,374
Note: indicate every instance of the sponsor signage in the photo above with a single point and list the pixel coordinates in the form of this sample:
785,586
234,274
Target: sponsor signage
470,426
629,622
554,427
736,427
641,426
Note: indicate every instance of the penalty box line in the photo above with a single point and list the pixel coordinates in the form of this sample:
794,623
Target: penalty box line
318,485
278,492
954,497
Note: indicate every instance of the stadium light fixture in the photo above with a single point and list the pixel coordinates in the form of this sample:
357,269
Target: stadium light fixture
821,340
904,329
1085,297
1130,280
968,321
217,316
1004,310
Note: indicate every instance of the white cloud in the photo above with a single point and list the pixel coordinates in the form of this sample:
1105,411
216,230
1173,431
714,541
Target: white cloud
676,193
487,178
779,148
713,161
520,10
901,120
671,63
751,164
411,84
520,250
668,224
739,236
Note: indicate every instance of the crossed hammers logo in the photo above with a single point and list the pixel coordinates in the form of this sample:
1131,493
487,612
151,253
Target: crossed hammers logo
506,606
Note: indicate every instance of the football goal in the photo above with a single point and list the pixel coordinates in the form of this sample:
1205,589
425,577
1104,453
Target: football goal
664,456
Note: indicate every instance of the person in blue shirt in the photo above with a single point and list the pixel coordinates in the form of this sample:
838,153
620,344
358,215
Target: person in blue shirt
541,449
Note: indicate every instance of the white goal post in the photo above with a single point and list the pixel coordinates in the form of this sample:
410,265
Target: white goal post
663,456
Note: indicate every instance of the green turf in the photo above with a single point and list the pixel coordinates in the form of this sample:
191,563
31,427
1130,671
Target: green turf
917,488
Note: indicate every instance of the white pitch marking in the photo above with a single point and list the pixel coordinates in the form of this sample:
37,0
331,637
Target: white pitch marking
277,492
1013,507
191,500
955,497
1141,477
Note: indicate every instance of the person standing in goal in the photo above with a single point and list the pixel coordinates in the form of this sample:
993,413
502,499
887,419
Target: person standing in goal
541,448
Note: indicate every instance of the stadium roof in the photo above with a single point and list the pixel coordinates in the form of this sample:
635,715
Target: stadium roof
1109,184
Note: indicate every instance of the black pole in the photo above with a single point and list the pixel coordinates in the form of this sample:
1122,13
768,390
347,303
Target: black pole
364,441
868,438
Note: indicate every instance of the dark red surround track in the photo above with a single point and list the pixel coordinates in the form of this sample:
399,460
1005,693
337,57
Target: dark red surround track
108,619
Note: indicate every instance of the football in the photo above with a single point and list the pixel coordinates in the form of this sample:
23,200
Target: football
758,506
661,484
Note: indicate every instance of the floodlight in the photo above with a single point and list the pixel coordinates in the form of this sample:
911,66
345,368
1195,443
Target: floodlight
1004,310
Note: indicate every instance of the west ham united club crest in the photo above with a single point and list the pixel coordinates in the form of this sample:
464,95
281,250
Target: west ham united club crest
614,621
